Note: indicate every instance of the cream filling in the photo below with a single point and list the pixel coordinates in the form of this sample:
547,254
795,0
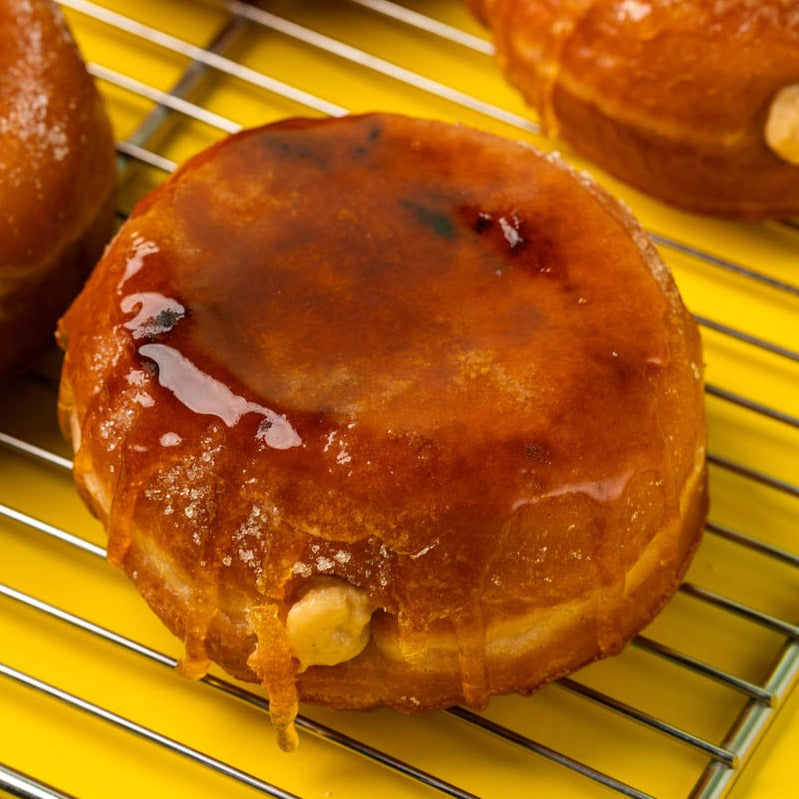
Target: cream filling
782,125
329,624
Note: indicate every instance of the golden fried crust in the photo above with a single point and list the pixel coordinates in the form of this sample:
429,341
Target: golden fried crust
413,357
57,175
672,97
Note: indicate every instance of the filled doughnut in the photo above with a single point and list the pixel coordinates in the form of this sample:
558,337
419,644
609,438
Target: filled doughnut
694,102
57,176
383,411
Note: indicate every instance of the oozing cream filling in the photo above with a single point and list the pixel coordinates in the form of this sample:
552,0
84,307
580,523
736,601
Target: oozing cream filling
782,124
329,624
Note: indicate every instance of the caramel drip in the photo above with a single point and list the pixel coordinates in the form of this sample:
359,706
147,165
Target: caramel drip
201,610
609,597
118,546
104,500
204,602
670,488
273,663
119,525
200,613
113,496
470,632
413,638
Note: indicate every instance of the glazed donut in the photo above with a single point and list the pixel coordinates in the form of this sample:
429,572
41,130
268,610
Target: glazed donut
383,411
57,177
693,102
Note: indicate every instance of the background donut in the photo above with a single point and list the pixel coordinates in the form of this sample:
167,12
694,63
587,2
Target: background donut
57,176
695,103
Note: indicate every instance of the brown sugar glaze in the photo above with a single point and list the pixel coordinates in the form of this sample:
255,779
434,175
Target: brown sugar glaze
389,336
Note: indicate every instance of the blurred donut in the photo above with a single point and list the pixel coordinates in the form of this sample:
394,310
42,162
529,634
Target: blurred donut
57,176
693,102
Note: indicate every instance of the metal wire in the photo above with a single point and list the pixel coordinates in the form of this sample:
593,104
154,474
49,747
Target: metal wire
753,474
724,759
752,405
143,732
203,56
304,723
511,736
752,543
739,609
719,753
22,785
164,99
750,725
427,25
720,676
748,338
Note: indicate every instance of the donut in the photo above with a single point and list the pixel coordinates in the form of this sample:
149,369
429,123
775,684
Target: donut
57,177
694,102
380,411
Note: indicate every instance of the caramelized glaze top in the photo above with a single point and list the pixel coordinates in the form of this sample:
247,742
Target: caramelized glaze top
405,332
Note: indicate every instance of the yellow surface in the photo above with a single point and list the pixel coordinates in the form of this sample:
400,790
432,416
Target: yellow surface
89,758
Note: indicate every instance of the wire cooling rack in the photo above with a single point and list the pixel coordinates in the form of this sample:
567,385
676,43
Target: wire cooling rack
90,705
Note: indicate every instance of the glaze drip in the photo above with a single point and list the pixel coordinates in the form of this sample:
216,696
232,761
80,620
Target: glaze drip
273,662
470,634
200,612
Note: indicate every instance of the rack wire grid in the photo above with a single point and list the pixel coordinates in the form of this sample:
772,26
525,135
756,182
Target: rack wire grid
90,705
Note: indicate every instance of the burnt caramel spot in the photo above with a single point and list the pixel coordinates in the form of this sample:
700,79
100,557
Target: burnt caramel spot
372,136
439,222
289,147
543,257
165,320
519,239
483,222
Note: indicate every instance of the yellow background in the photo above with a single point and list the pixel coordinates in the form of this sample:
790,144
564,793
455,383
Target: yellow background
91,759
